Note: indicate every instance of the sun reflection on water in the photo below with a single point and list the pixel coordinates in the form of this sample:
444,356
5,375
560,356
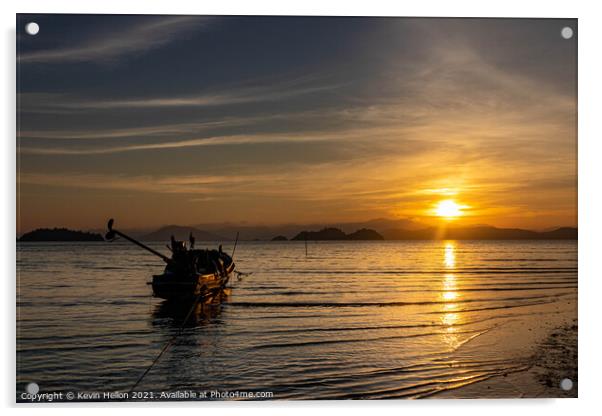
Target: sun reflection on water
450,255
449,295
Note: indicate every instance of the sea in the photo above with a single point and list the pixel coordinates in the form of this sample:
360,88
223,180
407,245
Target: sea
333,320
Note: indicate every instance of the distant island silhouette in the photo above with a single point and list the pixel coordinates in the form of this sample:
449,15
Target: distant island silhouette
336,234
390,229
376,230
59,234
365,234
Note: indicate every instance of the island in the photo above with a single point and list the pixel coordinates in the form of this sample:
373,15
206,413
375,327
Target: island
280,238
59,234
337,234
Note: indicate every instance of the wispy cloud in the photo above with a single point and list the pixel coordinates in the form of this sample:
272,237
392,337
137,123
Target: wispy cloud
237,94
208,141
185,184
135,38
317,136
149,131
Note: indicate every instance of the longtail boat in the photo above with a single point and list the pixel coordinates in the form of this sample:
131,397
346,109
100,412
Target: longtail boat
189,274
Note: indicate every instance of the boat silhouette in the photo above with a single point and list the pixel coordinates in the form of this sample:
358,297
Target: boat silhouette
190,274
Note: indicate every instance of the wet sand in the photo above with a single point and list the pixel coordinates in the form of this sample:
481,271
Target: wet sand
554,359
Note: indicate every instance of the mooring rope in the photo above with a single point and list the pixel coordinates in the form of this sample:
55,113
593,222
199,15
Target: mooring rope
235,243
170,342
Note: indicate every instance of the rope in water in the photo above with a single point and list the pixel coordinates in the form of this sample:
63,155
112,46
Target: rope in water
170,342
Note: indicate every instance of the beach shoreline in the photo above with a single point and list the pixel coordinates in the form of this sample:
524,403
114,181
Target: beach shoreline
554,359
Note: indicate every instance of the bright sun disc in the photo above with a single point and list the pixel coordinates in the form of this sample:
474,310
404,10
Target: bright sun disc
448,209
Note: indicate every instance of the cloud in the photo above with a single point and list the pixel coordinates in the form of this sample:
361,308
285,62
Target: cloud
136,38
148,131
322,182
189,184
36,102
209,141
317,136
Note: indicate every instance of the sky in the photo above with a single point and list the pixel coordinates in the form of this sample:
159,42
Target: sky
186,120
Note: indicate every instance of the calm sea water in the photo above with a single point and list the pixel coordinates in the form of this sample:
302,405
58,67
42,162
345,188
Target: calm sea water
350,320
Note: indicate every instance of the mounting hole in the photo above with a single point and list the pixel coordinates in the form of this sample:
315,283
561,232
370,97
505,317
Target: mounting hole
32,388
32,28
566,33
566,384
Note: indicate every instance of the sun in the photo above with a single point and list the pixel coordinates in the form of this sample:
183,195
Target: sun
448,209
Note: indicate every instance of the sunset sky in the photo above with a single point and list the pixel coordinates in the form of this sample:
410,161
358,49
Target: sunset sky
160,120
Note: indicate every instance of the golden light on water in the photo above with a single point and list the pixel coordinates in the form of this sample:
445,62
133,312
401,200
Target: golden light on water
450,319
449,295
450,255
449,292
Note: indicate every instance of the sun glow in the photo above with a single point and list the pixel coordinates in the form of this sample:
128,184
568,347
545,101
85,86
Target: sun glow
448,209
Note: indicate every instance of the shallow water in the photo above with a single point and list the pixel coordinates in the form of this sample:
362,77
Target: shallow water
350,320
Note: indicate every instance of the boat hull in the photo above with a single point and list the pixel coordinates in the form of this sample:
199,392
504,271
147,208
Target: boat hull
206,287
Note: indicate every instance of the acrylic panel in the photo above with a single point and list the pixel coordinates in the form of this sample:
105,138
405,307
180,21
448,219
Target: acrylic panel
288,207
